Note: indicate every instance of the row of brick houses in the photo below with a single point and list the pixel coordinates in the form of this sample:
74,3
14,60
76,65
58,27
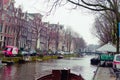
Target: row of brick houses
27,30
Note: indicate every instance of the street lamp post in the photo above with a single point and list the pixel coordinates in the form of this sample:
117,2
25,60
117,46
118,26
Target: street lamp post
117,20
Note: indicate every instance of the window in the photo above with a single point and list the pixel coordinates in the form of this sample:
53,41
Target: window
118,58
6,29
0,28
0,37
0,5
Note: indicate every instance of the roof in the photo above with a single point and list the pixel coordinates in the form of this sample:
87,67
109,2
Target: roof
35,14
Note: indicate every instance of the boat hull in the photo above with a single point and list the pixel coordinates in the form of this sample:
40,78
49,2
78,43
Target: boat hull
61,75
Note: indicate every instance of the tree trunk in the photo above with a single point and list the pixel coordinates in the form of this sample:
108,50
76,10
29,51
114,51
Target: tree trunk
118,20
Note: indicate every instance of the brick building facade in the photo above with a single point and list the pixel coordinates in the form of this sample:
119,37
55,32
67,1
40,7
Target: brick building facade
26,30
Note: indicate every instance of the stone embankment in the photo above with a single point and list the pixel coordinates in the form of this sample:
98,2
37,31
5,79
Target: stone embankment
104,73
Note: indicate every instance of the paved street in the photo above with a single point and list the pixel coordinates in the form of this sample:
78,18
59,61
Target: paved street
104,73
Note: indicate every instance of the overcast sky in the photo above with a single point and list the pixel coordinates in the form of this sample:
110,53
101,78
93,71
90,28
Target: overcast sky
79,21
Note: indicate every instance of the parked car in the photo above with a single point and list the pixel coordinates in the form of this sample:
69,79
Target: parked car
24,53
66,52
116,61
10,51
60,52
32,52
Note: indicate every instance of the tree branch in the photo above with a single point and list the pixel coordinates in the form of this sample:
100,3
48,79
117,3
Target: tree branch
87,6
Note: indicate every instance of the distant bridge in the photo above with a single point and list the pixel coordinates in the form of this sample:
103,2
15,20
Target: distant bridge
89,52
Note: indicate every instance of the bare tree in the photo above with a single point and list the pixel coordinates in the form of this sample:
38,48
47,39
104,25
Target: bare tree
53,36
37,26
19,27
95,5
79,42
68,38
49,38
104,28
57,39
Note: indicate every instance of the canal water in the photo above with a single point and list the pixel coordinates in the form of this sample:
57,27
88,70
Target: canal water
34,70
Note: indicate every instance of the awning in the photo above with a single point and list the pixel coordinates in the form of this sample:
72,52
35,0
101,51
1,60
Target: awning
107,48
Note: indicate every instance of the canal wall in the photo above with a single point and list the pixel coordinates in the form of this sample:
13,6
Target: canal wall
34,58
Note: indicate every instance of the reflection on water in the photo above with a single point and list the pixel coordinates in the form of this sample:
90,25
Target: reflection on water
18,72
31,71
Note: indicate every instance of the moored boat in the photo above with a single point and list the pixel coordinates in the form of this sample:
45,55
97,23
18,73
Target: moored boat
60,57
8,62
61,75
2,64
